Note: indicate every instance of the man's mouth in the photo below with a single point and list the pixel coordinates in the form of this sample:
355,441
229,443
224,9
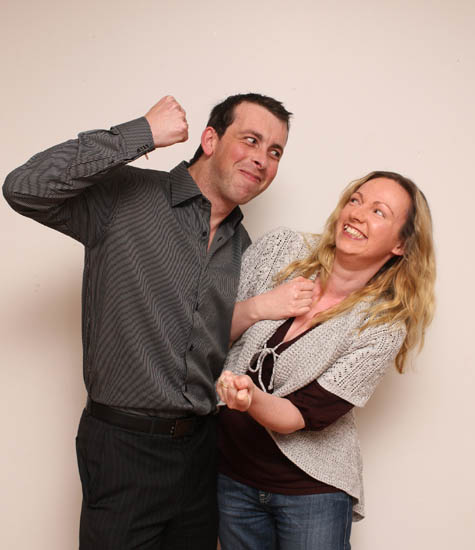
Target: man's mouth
353,232
251,176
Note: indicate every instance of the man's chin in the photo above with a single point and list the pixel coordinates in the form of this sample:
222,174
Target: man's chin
248,194
244,199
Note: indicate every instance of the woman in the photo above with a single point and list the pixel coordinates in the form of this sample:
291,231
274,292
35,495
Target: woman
290,466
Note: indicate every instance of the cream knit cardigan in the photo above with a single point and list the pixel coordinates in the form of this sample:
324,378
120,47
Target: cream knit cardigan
343,360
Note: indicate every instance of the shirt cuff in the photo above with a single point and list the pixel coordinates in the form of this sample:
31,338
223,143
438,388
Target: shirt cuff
137,137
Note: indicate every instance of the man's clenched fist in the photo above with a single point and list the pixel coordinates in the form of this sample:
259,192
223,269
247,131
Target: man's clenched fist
167,121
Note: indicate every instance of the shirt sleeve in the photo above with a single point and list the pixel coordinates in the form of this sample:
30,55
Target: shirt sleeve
58,187
355,375
318,407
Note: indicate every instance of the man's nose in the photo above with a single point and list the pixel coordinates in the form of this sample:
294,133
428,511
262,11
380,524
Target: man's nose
259,158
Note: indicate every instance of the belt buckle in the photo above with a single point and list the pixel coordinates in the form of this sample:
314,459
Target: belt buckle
182,427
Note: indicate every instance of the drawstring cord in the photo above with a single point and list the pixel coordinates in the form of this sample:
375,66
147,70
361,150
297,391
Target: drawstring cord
260,361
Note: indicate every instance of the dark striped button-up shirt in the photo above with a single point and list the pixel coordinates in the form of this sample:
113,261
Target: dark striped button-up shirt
156,304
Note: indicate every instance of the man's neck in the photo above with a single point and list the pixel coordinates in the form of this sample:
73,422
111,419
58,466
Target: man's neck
219,208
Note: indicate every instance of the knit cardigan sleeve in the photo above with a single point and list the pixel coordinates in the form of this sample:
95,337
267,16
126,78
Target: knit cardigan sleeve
356,373
266,257
262,260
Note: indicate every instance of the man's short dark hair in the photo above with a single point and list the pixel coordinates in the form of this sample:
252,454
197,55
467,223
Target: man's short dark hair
222,114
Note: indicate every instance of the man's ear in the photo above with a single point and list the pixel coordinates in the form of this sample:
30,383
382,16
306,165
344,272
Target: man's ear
209,138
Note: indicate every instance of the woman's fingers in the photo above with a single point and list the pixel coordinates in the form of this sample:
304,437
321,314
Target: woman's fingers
244,399
234,390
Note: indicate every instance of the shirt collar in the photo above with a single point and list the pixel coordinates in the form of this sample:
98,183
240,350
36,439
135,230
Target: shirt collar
183,188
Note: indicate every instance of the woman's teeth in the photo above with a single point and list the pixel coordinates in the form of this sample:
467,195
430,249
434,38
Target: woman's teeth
353,232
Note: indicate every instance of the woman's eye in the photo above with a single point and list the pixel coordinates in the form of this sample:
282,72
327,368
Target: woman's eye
353,200
379,212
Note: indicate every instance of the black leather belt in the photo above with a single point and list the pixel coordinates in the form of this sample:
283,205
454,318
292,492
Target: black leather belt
176,427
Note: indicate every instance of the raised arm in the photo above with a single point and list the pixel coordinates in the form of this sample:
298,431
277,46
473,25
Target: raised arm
167,120
49,188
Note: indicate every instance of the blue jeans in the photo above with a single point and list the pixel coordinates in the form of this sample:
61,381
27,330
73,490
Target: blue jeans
250,519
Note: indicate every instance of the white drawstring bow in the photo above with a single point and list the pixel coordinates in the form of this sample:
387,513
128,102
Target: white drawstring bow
260,361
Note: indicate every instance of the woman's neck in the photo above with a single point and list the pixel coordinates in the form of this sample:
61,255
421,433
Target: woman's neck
346,278
342,281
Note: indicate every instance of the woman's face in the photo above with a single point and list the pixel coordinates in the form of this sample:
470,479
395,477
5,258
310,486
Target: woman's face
369,225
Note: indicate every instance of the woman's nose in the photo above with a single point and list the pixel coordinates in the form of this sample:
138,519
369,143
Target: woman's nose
358,213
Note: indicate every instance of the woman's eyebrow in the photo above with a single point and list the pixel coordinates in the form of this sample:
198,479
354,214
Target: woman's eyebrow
385,204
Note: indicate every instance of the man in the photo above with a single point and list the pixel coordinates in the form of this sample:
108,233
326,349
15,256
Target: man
163,255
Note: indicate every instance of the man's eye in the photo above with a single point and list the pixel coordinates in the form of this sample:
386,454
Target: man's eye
251,139
276,154
379,212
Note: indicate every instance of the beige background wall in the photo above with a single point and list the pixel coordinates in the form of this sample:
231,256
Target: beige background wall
373,85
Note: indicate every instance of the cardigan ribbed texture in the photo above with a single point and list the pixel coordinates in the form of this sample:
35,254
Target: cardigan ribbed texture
344,360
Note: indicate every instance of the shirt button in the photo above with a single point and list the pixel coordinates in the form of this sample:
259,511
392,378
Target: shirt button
191,347
205,233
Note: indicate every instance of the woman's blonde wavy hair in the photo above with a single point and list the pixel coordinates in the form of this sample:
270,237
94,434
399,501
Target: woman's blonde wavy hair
403,287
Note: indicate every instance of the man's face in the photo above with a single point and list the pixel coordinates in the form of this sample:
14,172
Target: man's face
245,159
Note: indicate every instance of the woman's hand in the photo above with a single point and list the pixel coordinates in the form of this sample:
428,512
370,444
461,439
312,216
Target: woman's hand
235,391
275,413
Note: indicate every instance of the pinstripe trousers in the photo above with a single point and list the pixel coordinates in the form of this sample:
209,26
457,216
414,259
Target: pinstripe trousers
147,492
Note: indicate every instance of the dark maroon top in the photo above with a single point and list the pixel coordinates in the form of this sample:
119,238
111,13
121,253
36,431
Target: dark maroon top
248,454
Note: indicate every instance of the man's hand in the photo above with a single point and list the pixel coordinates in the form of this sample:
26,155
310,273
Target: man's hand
289,299
167,121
